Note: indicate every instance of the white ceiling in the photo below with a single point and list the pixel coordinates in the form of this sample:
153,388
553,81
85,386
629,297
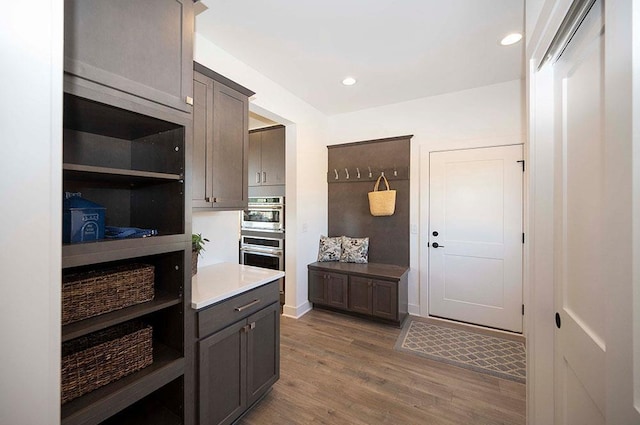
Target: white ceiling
397,50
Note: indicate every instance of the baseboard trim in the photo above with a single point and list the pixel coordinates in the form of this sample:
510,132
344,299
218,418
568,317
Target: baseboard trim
296,312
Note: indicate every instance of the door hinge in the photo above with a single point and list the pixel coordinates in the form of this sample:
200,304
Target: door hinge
523,238
521,162
523,309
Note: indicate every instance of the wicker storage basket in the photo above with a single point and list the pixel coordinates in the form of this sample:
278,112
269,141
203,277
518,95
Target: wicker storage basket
92,361
92,293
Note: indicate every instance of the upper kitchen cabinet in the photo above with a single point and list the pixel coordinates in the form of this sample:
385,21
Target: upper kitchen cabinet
142,48
267,157
220,141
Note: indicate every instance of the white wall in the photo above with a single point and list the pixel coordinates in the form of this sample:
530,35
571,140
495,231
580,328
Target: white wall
485,116
31,211
306,155
223,231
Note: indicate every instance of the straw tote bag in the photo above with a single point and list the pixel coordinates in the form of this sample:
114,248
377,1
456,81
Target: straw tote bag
382,202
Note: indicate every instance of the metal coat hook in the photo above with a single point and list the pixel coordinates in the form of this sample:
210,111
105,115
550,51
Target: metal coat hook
395,172
382,173
347,173
358,172
370,175
336,171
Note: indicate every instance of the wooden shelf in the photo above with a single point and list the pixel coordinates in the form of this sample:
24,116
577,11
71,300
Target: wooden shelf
161,301
147,411
81,254
98,405
89,116
116,175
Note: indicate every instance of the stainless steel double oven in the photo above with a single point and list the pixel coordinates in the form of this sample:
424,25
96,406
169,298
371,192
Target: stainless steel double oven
264,214
262,235
258,249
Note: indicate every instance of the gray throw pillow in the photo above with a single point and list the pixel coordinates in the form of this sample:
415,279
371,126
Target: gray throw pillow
355,250
330,248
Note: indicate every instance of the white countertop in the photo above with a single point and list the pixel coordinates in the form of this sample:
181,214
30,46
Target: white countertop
218,282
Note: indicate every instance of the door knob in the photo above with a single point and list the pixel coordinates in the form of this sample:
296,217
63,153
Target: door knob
435,233
437,245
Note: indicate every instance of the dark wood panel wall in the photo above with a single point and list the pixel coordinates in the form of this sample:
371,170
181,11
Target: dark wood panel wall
352,171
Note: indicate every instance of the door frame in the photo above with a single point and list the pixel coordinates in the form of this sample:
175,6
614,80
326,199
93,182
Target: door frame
623,159
427,224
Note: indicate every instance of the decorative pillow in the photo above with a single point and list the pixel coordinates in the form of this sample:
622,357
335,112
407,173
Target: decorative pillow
330,248
355,250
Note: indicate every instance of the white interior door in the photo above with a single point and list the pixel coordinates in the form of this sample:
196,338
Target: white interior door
475,236
579,174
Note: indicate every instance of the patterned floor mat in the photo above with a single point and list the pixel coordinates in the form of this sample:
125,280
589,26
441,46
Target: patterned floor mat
483,353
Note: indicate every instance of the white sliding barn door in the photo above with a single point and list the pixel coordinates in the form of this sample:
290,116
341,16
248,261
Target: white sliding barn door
580,286
475,236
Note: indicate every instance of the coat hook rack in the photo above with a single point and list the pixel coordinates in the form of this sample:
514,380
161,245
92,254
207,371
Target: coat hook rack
358,172
370,175
346,171
336,171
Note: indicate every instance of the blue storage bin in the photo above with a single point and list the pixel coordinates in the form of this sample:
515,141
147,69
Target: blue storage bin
82,220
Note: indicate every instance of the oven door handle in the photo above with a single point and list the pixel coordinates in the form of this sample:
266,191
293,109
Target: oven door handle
272,252
264,208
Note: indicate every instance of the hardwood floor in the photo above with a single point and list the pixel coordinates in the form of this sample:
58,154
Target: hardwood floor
336,369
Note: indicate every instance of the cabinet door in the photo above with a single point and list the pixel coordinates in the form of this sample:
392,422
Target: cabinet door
255,159
140,47
223,394
202,139
385,299
263,351
273,157
337,288
360,294
317,287
230,145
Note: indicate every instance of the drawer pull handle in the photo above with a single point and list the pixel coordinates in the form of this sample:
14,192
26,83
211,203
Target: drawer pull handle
246,306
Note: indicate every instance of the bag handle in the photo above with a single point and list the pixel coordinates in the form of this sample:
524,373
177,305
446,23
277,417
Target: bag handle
375,188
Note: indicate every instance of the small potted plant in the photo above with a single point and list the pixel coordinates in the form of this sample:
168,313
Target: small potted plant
197,246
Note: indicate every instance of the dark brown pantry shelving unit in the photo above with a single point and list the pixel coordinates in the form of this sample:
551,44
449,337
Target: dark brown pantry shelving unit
127,136
138,175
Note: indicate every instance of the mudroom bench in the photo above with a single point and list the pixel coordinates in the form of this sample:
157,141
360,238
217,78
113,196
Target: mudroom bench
373,290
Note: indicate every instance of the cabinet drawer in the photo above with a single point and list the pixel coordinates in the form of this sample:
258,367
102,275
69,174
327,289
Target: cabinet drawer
229,311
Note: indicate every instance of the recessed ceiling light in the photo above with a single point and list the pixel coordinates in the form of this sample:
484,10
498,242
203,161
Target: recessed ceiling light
349,81
511,39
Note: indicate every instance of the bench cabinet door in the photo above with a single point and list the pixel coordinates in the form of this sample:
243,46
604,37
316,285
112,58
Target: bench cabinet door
317,287
360,294
385,299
